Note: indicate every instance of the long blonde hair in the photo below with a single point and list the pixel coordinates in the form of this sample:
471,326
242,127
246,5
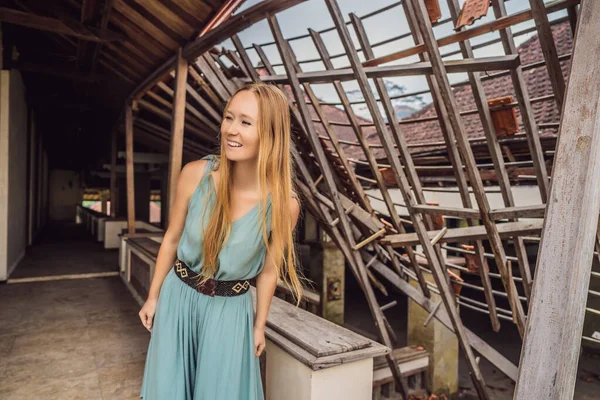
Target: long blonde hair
275,167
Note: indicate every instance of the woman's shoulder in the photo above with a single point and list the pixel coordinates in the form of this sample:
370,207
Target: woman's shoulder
193,171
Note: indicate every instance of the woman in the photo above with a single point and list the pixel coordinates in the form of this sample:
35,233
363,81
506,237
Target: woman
232,219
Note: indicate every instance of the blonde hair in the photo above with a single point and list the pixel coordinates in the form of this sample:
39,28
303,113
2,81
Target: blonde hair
275,167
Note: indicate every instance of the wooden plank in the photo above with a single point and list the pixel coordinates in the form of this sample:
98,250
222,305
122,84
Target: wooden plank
166,15
314,334
145,25
501,23
535,211
205,87
414,69
505,230
499,167
401,179
149,246
212,79
476,343
167,117
449,102
527,116
139,37
129,165
459,174
63,26
205,122
557,309
360,271
212,62
205,105
402,147
448,211
199,46
199,9
177,125
549,50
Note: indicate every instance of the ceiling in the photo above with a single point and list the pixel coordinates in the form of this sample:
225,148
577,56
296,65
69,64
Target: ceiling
81,58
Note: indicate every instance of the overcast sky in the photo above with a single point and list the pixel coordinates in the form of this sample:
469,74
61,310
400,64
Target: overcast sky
314,14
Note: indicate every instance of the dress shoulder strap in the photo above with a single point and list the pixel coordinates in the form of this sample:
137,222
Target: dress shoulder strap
212,164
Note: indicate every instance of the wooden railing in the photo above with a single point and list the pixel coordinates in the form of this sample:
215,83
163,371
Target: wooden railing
306,357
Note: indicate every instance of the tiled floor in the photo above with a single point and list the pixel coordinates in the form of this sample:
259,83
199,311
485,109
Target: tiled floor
70,339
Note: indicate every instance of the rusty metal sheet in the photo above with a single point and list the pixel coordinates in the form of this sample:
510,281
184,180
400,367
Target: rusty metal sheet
472,10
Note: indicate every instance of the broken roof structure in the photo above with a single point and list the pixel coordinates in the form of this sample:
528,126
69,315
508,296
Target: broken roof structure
491,112
512,122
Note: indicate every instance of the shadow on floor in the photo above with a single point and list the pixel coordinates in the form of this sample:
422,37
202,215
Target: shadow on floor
64,248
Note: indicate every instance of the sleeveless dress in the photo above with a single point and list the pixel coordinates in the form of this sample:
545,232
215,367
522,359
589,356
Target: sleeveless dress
202,347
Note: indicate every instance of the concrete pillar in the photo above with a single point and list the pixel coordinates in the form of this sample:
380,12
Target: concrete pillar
439,341
332,294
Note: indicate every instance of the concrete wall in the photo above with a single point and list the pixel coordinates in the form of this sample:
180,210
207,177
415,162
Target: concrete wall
64,194
13,171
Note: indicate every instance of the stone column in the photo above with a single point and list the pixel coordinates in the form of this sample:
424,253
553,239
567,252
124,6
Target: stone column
439,341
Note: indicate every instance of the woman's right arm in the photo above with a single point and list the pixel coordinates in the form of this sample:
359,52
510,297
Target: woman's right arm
189,179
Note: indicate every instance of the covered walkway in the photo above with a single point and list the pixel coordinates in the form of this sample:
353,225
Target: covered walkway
69,338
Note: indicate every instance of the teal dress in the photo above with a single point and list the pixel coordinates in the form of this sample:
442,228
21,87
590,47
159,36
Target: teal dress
202,347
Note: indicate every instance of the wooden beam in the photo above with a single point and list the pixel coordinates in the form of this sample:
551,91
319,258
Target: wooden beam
551,349
535,211
400,140
414,69
468,213
549,50
177,125
499,168
63,26
130,179
461,183
462,143
224,31
65,73
525,107
501,23
476,343
505,230
360,271
167,117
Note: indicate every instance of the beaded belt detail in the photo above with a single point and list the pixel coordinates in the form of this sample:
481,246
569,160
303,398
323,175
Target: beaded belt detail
211,287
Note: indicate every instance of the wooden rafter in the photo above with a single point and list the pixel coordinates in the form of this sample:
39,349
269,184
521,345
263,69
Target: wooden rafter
63,27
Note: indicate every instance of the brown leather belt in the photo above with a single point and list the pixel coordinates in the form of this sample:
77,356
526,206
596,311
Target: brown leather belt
211,287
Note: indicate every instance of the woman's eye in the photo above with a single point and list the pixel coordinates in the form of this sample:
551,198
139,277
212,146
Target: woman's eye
246,123
228,118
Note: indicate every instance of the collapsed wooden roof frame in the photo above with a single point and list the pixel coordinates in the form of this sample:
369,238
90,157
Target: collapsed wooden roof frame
346,212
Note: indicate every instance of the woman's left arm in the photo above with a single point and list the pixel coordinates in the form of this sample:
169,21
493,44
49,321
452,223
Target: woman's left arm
266,282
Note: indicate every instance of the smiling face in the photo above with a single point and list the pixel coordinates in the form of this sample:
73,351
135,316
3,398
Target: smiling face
239,129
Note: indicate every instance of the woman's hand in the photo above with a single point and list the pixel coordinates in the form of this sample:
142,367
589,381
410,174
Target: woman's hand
147,313
259,341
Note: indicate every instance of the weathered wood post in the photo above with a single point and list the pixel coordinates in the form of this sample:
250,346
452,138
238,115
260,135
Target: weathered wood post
129,169
550,354
177,126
